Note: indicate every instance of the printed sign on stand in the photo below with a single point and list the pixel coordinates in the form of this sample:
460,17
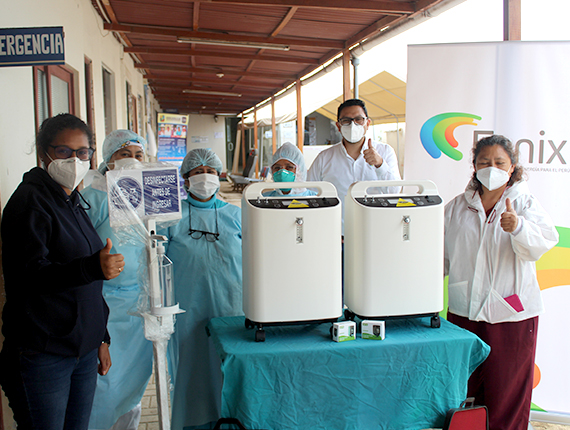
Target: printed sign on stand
143,194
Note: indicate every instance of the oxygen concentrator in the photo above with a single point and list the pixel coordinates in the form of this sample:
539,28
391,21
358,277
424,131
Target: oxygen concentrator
393,251
291,256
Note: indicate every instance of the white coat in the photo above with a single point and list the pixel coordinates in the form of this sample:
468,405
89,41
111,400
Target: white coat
336,166
486,264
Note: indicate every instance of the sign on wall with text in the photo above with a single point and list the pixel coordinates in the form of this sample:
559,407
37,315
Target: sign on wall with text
460,93
35,46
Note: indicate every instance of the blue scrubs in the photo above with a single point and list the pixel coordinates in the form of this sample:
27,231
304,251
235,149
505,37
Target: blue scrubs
207,284
131,353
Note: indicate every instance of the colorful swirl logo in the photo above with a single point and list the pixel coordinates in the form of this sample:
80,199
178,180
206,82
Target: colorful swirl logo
437,133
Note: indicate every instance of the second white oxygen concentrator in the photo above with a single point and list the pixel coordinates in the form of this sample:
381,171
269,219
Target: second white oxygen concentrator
393,251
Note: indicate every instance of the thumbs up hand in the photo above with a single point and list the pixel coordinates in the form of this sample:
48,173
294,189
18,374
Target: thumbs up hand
371,155
509,218
111,264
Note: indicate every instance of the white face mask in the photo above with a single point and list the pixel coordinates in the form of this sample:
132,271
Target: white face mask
68,172
204,185
353,132
493,178
126,163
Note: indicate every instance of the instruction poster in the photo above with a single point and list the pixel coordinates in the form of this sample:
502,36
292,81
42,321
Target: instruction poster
172,133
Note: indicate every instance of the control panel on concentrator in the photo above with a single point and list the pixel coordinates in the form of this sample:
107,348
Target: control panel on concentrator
295,202
399,201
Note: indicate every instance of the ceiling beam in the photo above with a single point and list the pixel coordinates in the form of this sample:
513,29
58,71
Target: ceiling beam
371,30
380,6
201,53
196,16
198,106
168,89
245,98
284,21
182,33
189,69
222,81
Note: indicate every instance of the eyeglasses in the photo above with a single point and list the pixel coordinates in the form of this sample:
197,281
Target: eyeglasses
198,234
358,120
66,152
275,169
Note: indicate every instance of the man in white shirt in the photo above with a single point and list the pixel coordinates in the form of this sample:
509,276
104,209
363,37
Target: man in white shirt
354,159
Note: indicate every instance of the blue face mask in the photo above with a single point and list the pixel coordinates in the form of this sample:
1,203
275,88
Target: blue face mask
284,175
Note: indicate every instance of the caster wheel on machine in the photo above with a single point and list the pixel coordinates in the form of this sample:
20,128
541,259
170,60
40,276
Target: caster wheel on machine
260,336
348,315
248,324
435,322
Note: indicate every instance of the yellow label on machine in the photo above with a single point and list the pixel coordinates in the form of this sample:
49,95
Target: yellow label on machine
402,202
297,204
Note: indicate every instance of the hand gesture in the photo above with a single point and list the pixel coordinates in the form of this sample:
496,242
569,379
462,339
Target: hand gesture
104,359
371,155
111,264
509,218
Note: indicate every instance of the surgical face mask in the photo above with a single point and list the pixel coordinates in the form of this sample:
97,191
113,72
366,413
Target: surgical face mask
68,172
126,163
353,132
204,185
284,175
492,177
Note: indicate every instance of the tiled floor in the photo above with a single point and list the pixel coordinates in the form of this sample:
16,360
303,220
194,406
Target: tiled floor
149,416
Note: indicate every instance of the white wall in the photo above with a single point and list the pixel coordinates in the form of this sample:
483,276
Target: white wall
206,129
84,36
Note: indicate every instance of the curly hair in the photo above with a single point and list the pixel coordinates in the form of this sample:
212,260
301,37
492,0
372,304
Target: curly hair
52,126
507,145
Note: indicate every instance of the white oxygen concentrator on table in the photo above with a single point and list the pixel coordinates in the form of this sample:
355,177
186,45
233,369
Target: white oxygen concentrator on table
393,251
291,256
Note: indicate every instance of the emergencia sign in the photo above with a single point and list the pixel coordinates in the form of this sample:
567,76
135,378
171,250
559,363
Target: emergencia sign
31,46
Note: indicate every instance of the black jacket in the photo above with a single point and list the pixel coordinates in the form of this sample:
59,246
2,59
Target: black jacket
52,271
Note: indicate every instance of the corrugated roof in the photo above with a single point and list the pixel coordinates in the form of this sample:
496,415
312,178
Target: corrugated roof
206,78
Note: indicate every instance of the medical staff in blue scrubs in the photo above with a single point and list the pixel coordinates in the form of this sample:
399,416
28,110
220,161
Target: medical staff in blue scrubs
289,166
119,393
205,248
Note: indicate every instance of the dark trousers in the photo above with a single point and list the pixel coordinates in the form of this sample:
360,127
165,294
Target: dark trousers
504,381
48,391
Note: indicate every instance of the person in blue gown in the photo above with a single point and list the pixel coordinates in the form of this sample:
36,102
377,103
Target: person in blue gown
288,165
117,402
205,249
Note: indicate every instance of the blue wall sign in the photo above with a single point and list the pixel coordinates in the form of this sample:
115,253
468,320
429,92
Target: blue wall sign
31,46
161,191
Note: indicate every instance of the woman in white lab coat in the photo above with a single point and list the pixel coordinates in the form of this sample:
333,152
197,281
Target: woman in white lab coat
494,233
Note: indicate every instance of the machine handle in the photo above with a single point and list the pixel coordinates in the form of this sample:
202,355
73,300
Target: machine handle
254,190
358,189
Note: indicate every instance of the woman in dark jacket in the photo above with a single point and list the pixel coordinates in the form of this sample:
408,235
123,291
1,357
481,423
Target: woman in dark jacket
55,317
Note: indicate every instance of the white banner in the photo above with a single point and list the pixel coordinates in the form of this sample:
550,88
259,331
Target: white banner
459,93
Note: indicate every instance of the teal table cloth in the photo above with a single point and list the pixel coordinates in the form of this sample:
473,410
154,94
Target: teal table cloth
300,379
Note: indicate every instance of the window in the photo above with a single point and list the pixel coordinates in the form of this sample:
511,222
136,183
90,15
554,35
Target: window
131,109
53,88
53,93
109,100
89,105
